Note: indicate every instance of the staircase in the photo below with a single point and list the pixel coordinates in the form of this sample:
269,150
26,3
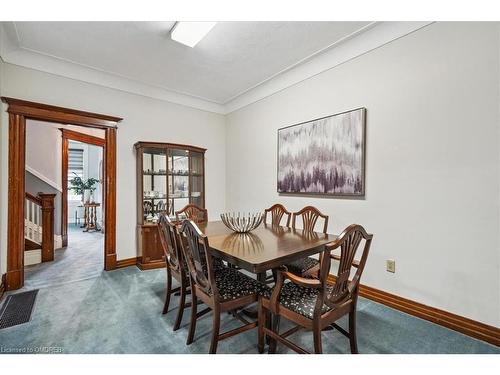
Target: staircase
38,228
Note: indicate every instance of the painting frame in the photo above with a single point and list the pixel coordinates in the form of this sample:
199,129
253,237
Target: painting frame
349,195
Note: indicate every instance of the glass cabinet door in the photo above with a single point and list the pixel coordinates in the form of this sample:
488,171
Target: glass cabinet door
196,177
154,175
178,181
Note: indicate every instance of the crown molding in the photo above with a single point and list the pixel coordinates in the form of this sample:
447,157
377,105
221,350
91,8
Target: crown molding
374,37
357,44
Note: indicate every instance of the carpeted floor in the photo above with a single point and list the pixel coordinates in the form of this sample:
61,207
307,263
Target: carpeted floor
82,259
120,312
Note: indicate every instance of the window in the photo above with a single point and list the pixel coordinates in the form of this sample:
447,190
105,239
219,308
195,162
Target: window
75,168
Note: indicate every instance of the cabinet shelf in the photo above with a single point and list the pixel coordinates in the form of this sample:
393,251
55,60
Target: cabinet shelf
161,169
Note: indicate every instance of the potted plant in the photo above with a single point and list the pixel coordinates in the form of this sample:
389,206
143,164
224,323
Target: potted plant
85,188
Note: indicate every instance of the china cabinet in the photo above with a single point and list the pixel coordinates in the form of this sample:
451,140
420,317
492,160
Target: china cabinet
169,176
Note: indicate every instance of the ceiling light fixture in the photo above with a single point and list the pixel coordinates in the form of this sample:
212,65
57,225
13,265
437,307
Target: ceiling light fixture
190,33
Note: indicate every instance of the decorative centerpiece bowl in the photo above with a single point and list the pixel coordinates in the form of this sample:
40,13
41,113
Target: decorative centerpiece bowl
242,223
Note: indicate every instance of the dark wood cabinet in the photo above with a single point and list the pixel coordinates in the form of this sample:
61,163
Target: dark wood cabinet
169,176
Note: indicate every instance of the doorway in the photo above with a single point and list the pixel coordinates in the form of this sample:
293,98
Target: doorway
19,111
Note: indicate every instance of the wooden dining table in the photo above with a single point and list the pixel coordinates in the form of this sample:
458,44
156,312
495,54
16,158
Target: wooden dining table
264,248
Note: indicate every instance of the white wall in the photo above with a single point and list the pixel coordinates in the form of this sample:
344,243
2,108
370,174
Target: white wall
44,152
432,183
145,119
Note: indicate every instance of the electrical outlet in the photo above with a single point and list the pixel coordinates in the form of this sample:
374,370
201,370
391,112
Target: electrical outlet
390,265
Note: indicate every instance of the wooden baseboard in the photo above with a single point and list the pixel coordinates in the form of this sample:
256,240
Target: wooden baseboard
150,265
122,263
455,322
2,286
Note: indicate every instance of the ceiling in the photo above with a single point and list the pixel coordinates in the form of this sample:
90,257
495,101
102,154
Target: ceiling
234,60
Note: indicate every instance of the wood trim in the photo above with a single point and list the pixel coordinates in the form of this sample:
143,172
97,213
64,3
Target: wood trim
109,191
34,199
44,112
16,195
19,111
446,319
152,265
82,137
168,145
64,192
122,263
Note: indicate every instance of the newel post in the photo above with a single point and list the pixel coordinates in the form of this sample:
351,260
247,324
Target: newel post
47,226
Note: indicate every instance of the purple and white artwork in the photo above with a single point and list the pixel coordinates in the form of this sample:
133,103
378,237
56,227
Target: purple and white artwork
323,156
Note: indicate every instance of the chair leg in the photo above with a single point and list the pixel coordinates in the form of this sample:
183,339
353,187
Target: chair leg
169,291
352,332
192,324
318,347
275,327
215,330
262,321
182,303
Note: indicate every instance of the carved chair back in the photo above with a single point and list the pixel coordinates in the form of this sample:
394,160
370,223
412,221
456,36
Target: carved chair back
148,207
349,243
198,257
277,211
310,215
171,243
161,206
193,213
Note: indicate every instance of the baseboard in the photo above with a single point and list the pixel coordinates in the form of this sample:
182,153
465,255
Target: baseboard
122,263
2,286
455,322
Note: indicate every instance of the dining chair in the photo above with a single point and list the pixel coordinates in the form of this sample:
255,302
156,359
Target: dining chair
307,266
277,212
175,266
220,288
314,304
192,212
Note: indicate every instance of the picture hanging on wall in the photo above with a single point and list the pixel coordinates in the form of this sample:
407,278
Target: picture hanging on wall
325,156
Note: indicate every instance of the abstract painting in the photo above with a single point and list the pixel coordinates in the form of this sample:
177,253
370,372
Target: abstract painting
324,156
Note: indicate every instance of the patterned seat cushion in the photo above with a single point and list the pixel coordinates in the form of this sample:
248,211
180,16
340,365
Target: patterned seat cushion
301,299
301,266
233,284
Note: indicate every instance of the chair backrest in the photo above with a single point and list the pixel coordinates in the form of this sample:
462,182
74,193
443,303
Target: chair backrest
348,242
277,211
198,258
193,213
310,216
148,207
170,241
161,206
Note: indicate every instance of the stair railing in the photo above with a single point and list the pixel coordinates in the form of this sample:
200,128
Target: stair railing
39,222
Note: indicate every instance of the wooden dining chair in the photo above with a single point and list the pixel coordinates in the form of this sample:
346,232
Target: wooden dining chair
277,212
192,212
314,304
307,266
176,267
220,288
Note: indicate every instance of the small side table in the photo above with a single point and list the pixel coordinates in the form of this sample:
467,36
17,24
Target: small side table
90,217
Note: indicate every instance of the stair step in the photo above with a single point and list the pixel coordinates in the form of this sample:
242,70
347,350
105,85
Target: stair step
31,245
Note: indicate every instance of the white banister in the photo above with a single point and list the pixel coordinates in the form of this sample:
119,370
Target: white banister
33,221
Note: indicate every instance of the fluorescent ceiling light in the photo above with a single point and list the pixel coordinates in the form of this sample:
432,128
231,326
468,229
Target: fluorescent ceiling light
190,33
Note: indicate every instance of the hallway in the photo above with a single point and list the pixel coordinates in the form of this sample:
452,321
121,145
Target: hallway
82,259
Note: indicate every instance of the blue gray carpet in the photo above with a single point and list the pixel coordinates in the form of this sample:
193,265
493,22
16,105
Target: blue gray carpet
120,312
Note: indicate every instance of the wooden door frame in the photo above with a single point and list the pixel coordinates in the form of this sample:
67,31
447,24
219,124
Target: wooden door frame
72,135
19,111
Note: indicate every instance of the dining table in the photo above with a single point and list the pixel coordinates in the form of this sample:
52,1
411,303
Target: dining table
265,248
